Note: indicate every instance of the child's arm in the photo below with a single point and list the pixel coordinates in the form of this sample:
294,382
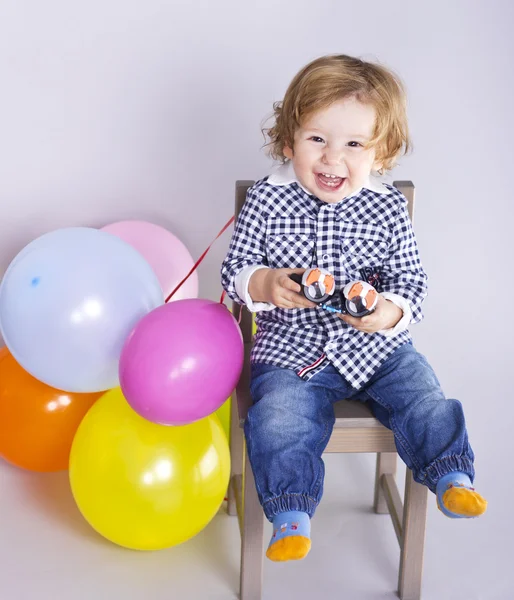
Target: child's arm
401,273
247,246
245,274
403,280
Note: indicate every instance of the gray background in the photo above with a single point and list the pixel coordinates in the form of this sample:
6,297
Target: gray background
114,109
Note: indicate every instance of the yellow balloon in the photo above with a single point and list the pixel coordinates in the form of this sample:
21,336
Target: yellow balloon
223,414
146,486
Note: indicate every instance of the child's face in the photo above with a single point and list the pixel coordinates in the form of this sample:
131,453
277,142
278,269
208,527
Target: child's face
331,143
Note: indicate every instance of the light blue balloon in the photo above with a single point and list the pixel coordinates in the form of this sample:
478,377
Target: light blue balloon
68,302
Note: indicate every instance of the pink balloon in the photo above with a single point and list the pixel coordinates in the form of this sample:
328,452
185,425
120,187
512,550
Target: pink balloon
181,361
165,253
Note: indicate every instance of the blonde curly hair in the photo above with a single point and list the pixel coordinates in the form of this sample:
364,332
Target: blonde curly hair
335,77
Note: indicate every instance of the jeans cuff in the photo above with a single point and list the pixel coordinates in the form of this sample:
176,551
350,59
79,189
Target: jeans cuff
287,502
445,465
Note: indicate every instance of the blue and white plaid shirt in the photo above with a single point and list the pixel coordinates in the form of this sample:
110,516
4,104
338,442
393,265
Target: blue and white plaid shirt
282,225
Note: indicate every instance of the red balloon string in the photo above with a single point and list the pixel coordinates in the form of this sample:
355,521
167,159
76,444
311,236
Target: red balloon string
222,300
227,225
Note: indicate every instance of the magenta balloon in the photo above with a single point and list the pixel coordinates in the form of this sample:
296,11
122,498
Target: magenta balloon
181,361
166,254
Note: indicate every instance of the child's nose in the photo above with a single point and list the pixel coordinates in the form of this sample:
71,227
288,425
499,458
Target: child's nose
332,156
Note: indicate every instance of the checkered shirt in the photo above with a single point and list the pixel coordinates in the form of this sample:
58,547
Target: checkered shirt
283,226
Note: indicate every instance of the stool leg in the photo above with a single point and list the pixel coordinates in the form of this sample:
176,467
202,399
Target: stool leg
236,454
413,539
252,538
386,464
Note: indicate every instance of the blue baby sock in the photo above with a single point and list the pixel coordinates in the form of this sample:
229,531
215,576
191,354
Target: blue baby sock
291,536
456,497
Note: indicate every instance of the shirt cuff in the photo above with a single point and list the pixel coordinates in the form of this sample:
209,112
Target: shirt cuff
241,284
403,323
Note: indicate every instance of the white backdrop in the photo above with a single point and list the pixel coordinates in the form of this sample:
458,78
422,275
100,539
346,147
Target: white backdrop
115,109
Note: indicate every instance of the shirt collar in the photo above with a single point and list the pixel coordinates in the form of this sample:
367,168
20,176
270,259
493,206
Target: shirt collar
285,175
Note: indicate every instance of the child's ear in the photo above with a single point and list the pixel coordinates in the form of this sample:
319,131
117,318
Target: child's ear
378,167
378,159
288,152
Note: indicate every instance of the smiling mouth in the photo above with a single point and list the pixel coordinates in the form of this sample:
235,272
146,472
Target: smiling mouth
329,182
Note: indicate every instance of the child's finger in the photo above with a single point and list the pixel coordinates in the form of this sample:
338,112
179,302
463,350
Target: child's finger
291,291
286,282
350,320
359,324
294,300
367,321
301,301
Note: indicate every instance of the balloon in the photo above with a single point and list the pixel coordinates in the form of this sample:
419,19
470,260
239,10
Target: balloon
146,486
223,414
37,422
182,361
68,302
164,252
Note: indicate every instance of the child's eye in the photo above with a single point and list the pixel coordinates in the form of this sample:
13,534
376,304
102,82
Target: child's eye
354,144
317,139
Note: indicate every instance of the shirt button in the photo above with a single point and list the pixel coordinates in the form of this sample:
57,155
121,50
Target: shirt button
326,256
331,345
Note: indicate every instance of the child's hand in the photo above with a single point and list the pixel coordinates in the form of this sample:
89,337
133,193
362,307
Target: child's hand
275,286
385,316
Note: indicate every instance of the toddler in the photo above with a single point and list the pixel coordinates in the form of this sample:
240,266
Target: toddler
341,120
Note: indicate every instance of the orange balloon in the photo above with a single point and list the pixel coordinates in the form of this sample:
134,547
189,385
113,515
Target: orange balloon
37,422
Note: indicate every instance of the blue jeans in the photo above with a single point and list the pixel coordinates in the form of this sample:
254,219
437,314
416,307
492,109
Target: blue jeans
290,422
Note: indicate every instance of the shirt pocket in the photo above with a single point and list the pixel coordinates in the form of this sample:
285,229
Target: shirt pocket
290,251
359,252
290,243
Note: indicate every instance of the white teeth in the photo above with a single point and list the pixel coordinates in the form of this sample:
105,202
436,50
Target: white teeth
336,178
330,176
